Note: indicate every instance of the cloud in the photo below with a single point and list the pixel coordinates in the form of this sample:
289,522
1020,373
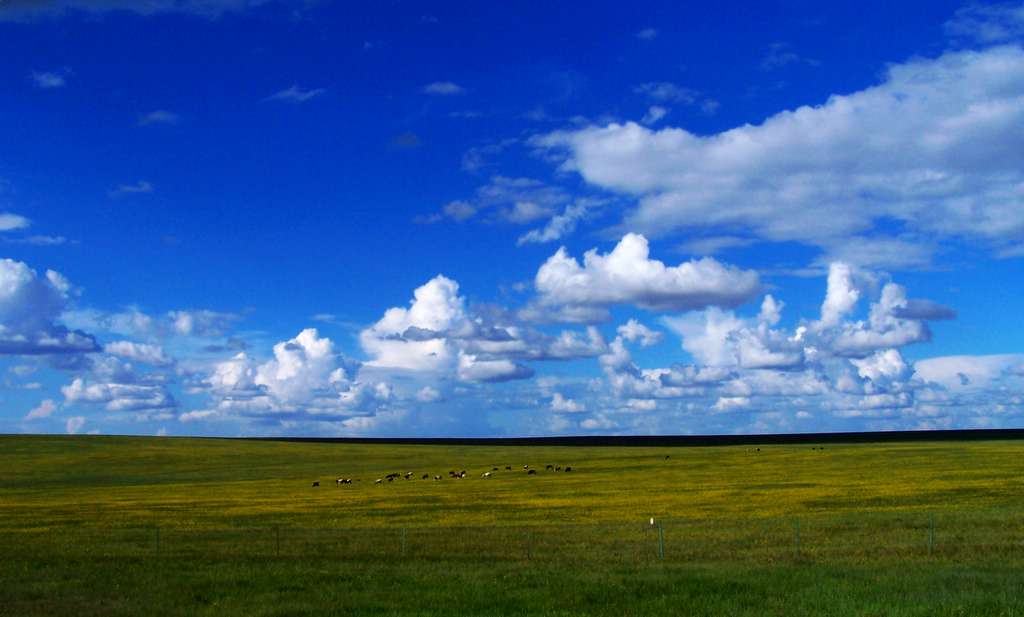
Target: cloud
74,424
634,331
48,80
709,107
437,307
654,114
726,404
988,23
437,337
30,306
23,370
719,338
561,404
478,157
647,34
306,377
134,323
538,313
968,372
841,296
885,364
627,275
201,322
924,309
884,328
427,394
570,346
139,352
10,221
559,226
509,200
667,92
752,375
780,55
119,397
44,410
935,147
628,382
771,310
664,92
295,94
526,212
443,88
159,116
879,251
140,187
471,368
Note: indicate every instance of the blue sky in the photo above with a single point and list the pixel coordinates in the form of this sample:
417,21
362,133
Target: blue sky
236,217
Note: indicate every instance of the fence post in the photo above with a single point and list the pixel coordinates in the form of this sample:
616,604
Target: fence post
796,526
661,542
931,533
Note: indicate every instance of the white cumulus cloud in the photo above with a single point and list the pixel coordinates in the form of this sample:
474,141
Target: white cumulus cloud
30,306
44,410
938,146
627,275
561,404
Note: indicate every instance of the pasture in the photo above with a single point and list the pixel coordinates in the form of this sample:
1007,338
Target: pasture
122,526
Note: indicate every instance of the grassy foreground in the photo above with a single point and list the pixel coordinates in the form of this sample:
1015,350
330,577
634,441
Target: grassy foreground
123,526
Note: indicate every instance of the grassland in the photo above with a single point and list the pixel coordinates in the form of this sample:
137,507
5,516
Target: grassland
119,526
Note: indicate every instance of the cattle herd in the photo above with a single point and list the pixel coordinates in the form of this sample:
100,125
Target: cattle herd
452,474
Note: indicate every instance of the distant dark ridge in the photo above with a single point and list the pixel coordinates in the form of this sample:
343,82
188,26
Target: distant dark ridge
677,440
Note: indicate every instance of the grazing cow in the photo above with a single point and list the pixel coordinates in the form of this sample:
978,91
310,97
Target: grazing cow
378,481
487,474
531,472
567,469
667,457
425,476
495,469
558,468
526,466
437,477
549,467
759,449
508,467
462,474
391,479
316,484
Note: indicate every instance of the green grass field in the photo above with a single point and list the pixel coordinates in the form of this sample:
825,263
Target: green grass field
124,526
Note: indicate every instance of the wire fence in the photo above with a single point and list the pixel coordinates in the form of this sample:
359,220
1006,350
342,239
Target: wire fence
914,535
